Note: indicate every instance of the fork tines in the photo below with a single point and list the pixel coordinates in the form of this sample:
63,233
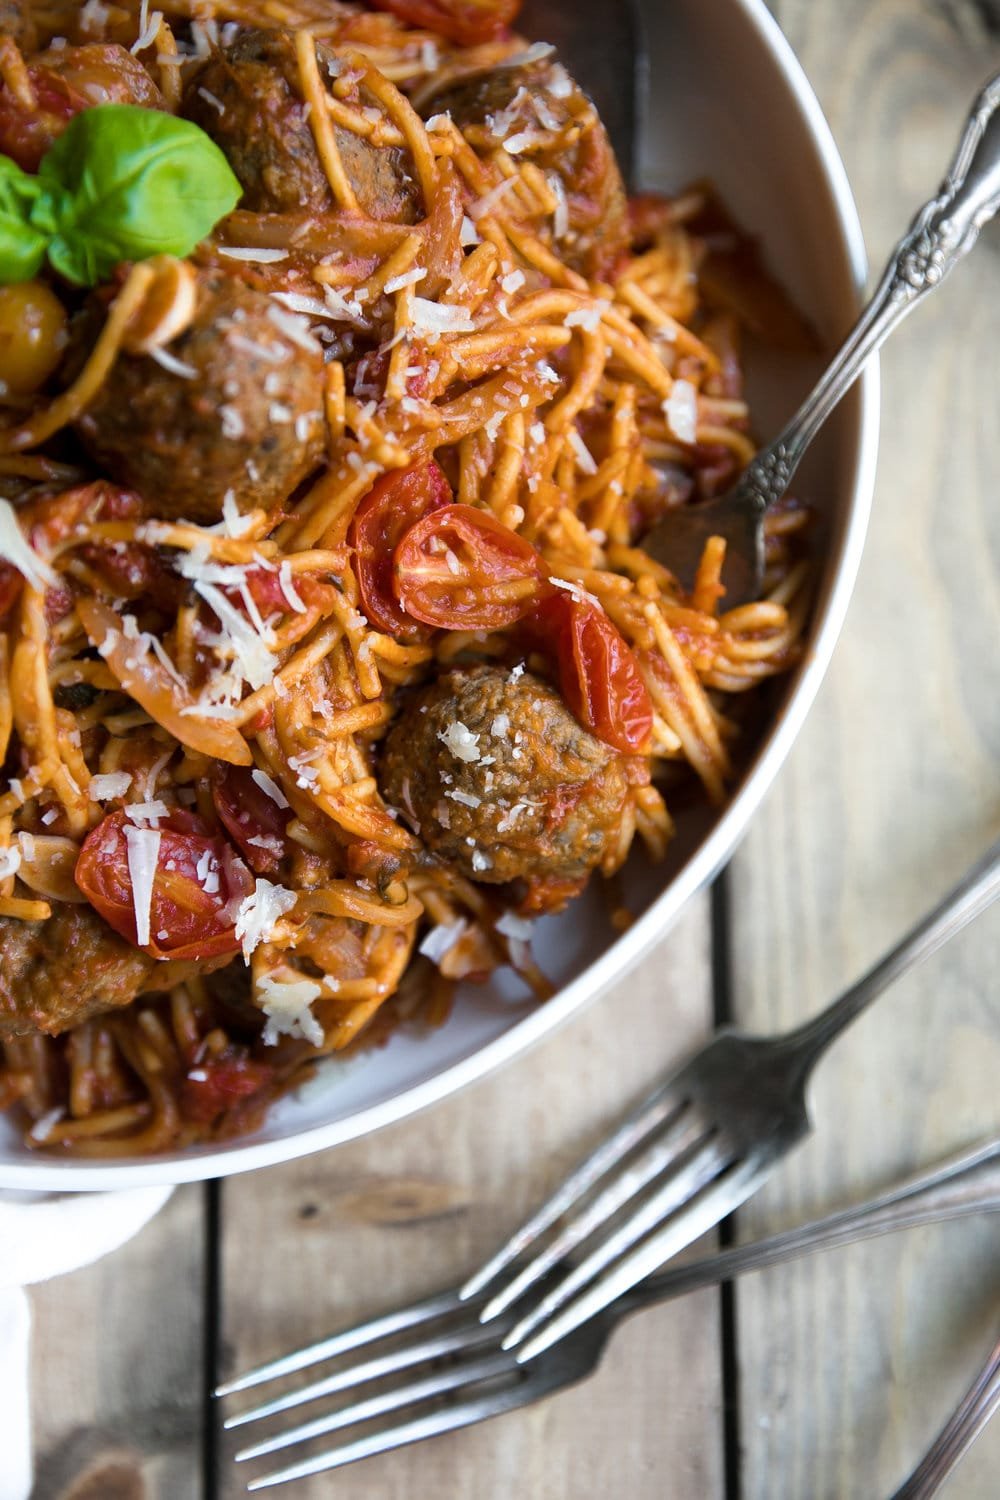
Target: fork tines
666,1156
432,1367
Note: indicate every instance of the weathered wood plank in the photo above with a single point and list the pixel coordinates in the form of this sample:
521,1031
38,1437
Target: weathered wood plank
317,1244
849,1361
117,1359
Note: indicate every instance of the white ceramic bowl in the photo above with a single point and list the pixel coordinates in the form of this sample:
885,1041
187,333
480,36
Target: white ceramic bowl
727,100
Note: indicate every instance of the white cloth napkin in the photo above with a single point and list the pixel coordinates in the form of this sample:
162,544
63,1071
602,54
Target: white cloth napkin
43,1235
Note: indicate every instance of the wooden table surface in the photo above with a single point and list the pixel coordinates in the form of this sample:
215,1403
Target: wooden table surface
822,1380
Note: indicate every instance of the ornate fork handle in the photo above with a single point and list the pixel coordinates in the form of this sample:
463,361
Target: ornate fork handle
954,1440
942,234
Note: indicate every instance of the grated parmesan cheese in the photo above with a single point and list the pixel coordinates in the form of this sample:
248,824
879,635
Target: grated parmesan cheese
442,938
535,53
681,411
143,850
207,871
232,422
288,1009
252,252
148,27
587,317
560,214
576,590
522,141
270,786
460,740
585,460
468,234
292,326
407,278
260,912
488,202
287,587
273,353
173,365
430,319
467,799
43,1128
16,549
146,812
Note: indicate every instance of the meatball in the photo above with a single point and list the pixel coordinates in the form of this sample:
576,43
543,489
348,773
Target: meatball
238,411
497,777
539,102
57,973
247,99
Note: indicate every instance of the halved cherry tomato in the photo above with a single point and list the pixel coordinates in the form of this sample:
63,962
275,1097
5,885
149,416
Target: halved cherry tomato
464,21
599,675
390,507
219,1083
26,134
131,570
253,819
268,592
10,588
188,918
460,569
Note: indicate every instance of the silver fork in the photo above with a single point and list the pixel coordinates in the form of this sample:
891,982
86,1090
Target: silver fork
455,1373
958,1434
689,1153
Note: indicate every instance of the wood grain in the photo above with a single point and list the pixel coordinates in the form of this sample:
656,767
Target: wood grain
846,1362
849,1361
320,1243
117,1359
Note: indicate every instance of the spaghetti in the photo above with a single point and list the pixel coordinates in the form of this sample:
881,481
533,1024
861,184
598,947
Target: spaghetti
329,650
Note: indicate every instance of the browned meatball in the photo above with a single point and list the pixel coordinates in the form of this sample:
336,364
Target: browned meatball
239,410
497,777
248,99
558,129
57,973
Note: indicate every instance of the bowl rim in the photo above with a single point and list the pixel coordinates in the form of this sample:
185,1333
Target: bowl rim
47,1175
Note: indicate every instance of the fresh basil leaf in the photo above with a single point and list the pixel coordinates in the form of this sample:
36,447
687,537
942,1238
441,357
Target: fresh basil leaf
135,183
22,245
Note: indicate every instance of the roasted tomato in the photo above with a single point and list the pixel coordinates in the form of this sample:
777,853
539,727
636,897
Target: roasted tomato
460,569
197,881
390,507
599,676
464,21
253,818
276,593
26,134
220,1083
130,570
10,588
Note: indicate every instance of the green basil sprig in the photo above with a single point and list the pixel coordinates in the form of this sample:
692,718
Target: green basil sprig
120,183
